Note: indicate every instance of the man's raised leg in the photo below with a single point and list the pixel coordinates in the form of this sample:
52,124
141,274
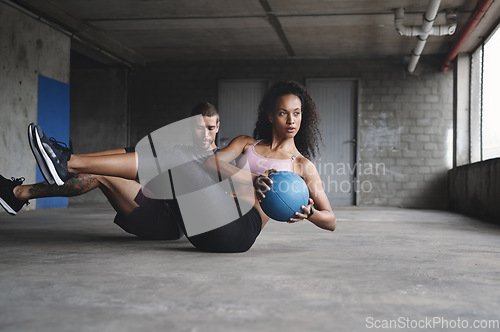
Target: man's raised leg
120,192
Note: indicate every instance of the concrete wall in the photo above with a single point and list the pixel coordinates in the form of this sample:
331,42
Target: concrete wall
474,189
98,115
98,109
27,48
404,123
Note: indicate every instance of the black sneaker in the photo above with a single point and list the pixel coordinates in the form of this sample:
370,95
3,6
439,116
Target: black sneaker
44,169
8,200
55,155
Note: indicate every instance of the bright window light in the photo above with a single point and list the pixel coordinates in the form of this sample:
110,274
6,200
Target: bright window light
491,98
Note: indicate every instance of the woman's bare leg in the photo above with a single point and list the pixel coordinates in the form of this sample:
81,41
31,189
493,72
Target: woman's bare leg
121,165
104,153
120,193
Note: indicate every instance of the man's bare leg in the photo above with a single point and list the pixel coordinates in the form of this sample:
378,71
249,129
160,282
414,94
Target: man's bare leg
120,192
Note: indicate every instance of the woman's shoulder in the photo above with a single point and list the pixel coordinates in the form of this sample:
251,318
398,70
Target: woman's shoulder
305,166
303,160
246,138
241,142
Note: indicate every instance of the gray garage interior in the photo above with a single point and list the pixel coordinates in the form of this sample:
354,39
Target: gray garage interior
417,232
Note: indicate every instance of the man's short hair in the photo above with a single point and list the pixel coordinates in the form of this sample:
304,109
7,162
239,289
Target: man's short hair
205,109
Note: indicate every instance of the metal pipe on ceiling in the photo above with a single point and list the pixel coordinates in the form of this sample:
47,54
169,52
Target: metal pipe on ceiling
425,30
471,24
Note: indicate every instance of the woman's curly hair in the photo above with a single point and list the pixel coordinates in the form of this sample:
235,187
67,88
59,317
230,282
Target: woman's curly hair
308,135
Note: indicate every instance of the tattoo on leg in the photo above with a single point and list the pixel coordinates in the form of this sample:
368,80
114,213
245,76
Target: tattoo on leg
77,185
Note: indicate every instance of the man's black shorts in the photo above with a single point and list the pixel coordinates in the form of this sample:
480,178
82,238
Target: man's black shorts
154,219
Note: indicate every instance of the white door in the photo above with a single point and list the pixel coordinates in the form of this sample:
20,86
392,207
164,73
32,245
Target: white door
336,104
238,101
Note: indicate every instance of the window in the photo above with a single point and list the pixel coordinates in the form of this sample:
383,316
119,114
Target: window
485,100
491,98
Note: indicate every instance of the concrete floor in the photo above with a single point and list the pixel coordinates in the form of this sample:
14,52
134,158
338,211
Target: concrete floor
74,270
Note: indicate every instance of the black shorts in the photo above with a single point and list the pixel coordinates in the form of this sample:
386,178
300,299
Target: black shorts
161,220
237,236
154,219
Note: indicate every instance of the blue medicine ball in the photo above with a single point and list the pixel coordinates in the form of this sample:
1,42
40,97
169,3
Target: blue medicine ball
288,193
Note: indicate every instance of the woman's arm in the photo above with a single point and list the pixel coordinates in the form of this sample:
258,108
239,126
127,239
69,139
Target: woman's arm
220,161
323,215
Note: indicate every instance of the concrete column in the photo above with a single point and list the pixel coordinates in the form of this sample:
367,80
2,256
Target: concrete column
28,48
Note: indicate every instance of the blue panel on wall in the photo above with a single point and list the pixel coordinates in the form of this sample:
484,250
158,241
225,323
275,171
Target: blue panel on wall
53,118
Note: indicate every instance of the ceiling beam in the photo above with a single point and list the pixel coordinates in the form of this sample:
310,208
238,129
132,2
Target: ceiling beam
275,23
82,31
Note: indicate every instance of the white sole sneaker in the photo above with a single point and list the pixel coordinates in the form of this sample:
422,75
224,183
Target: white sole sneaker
40,161
45,156
7,207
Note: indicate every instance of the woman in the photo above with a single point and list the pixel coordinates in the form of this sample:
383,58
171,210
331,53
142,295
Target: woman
287,134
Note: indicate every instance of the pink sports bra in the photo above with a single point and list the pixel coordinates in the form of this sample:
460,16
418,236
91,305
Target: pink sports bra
255,163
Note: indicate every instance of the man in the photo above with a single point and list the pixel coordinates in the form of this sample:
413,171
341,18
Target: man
136,213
